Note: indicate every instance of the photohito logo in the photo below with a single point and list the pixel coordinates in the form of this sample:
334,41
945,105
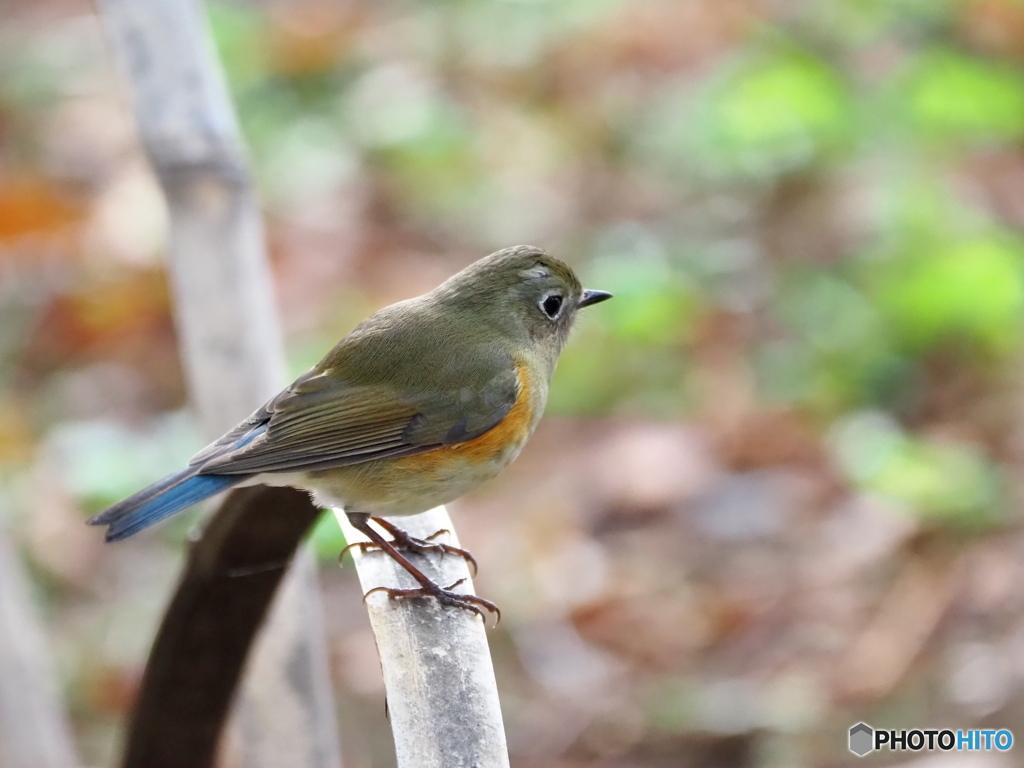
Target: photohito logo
864,739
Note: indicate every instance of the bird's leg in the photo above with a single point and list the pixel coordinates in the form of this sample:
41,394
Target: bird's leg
402,540
428,588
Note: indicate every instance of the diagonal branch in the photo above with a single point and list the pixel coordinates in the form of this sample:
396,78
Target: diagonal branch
442,694
231,344
220,603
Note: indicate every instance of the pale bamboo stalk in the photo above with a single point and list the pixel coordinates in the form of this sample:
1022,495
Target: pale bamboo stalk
229,331
441,692
442,695
34,730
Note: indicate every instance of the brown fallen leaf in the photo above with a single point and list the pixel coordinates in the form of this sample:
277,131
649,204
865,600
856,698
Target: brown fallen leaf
894,637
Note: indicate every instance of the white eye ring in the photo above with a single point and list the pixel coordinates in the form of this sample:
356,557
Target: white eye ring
551,305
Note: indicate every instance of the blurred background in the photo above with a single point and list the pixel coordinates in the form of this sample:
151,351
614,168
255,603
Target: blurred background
778,488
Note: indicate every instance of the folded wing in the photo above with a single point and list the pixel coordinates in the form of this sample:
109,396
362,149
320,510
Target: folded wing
322,422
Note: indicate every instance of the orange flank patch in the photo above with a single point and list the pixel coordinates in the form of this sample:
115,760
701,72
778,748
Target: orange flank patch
411,484
511,431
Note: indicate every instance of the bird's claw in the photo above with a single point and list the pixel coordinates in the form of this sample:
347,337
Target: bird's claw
362,545
445,596
422,546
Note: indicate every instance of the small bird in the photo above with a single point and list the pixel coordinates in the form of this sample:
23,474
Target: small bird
421,403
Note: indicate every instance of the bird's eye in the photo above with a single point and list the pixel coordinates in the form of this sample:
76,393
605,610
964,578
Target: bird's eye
551,305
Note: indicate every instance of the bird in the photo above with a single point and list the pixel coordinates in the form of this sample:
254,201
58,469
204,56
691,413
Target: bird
422,402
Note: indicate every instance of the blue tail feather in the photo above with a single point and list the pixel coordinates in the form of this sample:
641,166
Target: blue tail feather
160,500
174,493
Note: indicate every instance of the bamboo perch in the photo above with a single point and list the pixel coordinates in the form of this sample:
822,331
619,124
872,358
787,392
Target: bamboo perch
442,696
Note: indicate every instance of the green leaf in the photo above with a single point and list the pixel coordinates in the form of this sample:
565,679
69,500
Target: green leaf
949,96
954,482
773,113
240,37
327,537
972,289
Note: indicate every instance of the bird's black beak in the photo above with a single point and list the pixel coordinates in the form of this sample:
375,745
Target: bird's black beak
593,297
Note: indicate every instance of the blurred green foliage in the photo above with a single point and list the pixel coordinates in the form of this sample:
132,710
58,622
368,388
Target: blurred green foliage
810,217
928,274
950,481
775,112
947,96
969,289
809,193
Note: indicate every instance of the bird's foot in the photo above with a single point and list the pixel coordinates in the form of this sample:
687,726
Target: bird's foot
445,596
401,540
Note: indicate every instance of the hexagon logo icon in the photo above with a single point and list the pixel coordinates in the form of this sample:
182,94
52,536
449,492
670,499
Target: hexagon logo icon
862,739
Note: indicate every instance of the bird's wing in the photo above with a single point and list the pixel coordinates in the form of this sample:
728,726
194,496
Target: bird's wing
322,421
